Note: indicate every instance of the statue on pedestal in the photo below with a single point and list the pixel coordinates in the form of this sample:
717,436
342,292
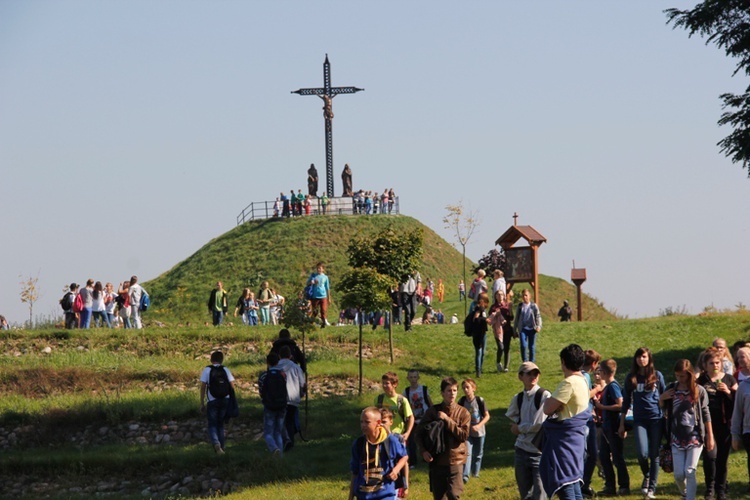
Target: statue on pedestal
312,180
346,177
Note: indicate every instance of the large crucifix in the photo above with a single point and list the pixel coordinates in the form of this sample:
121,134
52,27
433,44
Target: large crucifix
327,93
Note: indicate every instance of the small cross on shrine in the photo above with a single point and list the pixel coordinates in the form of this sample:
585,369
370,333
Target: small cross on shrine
327,93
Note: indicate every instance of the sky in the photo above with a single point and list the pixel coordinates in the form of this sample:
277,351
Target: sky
132,133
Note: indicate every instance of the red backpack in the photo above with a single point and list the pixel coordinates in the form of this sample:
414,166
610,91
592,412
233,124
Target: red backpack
78,304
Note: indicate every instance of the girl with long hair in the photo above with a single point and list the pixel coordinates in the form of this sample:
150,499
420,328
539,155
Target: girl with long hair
643,387
689,421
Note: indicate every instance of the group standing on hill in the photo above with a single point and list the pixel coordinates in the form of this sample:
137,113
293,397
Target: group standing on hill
102,306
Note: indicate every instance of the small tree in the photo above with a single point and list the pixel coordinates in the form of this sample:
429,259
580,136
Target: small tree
378,263
29,294
463,223
364,289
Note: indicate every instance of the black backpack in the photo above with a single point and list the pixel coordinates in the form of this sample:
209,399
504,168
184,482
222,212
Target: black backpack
274,396
218,382
468,324
67,302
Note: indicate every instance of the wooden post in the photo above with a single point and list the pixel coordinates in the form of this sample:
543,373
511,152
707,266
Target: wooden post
578,276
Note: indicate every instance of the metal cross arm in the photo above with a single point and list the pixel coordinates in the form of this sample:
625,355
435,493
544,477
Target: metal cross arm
333,91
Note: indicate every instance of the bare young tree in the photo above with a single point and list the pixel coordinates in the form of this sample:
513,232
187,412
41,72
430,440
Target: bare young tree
29,294
463,223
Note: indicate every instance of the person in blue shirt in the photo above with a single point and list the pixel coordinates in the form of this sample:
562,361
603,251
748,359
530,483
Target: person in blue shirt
321,293
643,387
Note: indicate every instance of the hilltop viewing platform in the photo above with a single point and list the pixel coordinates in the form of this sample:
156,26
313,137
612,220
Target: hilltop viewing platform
348,205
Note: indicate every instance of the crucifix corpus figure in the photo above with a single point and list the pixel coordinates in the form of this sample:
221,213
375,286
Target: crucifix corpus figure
346,178
312,180
327,93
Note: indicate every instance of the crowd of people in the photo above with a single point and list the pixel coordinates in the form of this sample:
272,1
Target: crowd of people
363,202
99,305
584,423
267,307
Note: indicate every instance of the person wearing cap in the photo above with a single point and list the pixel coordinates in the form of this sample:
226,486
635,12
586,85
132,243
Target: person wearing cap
67,304
526,414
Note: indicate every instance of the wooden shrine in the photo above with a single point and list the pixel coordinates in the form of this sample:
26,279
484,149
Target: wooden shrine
522,263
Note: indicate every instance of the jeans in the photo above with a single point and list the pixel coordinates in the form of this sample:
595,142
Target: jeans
112,319
480,344
135,314
647,442
409,303
273,429
591,453
216,410
100,318
218,317
85,318
528,337
291,425
251,320
685,465
125,315
527,475
474,453
265,314
570,492
70,320
611,452
715,461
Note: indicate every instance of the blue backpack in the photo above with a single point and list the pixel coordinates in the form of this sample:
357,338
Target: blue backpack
145,301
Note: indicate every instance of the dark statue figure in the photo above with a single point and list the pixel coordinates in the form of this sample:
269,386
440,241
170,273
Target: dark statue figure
346,177
312,180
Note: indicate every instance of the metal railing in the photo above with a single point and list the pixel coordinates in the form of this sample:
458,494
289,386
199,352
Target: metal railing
258,210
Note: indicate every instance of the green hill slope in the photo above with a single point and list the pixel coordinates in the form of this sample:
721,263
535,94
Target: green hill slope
284,251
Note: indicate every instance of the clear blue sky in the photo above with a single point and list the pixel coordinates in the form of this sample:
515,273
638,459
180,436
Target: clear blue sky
131,133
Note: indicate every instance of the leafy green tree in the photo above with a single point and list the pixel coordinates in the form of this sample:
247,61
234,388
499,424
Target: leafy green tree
390,253
378,263
725,23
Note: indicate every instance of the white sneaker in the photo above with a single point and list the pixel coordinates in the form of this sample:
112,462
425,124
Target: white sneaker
499,368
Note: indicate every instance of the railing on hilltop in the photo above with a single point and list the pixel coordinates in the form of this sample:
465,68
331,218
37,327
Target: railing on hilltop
336,206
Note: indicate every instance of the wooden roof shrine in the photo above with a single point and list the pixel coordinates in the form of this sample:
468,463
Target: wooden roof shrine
522,263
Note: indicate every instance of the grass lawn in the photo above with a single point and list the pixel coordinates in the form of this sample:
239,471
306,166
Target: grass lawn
102,377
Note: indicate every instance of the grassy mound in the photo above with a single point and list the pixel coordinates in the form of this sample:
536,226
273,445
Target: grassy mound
284,252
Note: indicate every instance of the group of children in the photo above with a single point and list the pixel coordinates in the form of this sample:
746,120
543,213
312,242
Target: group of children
704,413
399,423
690,405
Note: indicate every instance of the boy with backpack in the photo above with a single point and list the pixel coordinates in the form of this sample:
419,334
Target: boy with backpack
377,459
274,395
526,413
66,302
216,387
403,418
420,402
